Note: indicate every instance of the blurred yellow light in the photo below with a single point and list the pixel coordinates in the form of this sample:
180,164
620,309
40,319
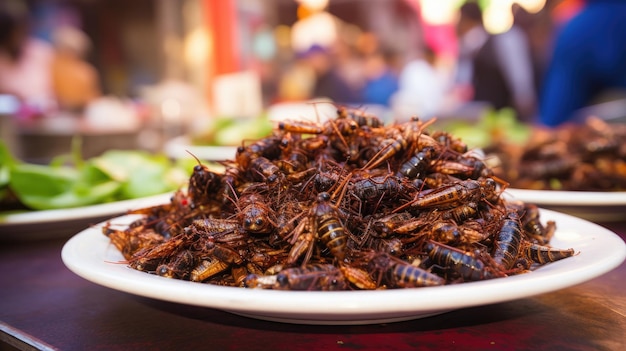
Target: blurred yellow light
314,5
438,11
318,29
197,46
498,17
532,6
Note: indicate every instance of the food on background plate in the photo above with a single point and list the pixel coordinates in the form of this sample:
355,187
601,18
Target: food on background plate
493,127
348,204
574,157
590,156
68,182
227,131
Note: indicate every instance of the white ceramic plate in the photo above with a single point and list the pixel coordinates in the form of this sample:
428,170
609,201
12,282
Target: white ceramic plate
90,255
181,146
591,205
49,223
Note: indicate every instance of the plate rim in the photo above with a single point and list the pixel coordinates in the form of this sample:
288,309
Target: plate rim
567,198
347,306
83,212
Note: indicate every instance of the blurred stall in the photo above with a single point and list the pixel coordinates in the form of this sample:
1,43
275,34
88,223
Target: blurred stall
166,69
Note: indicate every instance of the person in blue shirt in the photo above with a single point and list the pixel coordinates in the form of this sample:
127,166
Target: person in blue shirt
589,58
381,81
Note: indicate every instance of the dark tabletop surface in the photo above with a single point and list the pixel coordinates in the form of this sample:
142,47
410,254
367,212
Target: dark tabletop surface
43,305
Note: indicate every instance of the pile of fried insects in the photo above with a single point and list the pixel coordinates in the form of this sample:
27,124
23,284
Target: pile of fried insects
345,204
589,156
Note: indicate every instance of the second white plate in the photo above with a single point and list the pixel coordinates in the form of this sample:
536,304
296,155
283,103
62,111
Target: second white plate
591,205
32,225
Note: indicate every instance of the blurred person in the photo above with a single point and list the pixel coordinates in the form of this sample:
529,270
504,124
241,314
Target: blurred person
296,82
589,58
24,60
349,64
496,67
328,82
422,87
75,82
539,28
381,80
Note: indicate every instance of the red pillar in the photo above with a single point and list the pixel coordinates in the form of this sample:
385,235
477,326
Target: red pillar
221,24
220,17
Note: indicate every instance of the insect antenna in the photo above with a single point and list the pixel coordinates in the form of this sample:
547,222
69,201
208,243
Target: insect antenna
343,186
195,157
336,130
234,201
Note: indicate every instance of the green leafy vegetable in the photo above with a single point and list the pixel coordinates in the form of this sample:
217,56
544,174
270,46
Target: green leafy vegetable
230,131
492,127
6,162
115,175
140,173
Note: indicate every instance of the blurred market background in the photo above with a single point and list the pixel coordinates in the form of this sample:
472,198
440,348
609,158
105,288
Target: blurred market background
137,74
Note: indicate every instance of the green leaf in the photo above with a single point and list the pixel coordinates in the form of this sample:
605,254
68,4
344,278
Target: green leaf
6,163
90,173
140,173
28,179
118,164
146,180
5,175
75,197
115,175
44,187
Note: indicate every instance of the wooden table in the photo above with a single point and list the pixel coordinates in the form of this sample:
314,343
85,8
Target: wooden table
45,306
